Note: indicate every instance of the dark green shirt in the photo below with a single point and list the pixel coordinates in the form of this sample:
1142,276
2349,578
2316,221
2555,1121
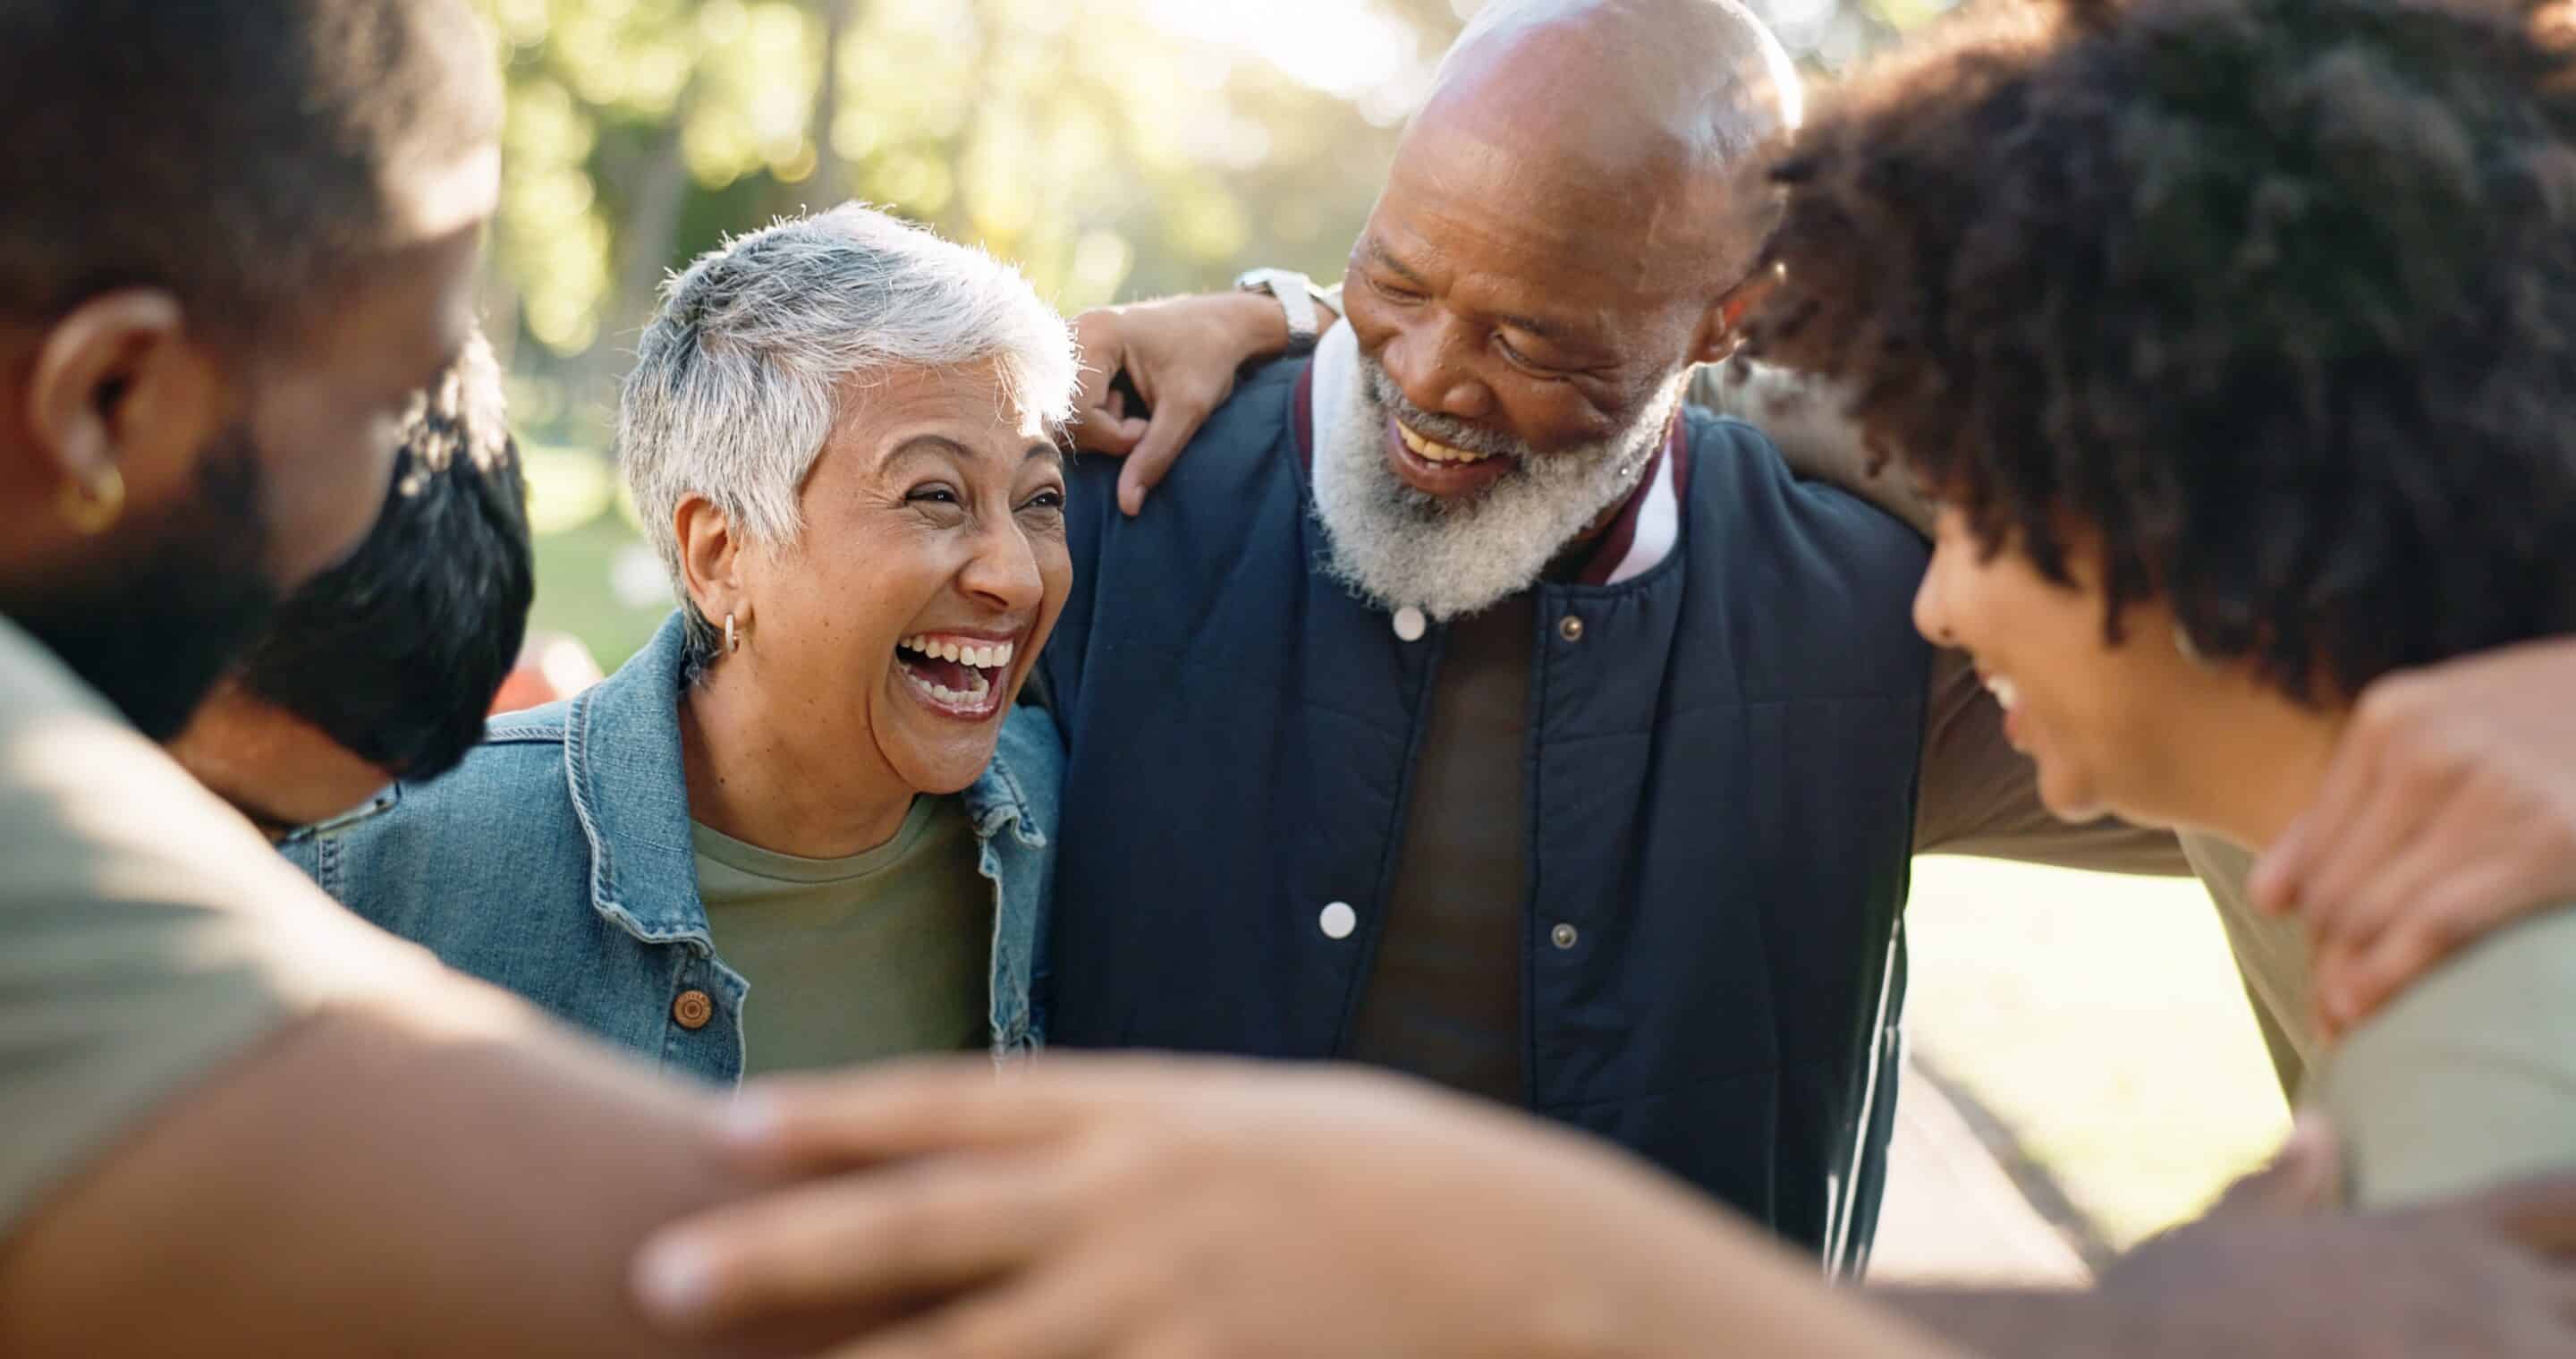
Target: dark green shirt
876,955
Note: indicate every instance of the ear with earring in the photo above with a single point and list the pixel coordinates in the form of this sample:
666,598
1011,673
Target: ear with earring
92,505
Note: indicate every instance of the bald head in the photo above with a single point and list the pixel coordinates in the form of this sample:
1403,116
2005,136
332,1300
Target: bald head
1656,106
1570,223
1694,81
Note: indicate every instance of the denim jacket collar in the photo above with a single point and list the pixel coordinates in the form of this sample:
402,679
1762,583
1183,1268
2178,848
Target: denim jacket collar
622,760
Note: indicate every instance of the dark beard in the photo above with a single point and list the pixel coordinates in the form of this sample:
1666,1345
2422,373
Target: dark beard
154,630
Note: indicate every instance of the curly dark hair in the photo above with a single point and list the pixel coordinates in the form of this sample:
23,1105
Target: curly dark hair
2273,299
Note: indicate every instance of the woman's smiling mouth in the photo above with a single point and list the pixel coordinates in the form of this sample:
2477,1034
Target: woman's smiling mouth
957,675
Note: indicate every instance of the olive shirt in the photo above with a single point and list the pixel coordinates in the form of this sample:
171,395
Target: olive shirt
855,959
148,935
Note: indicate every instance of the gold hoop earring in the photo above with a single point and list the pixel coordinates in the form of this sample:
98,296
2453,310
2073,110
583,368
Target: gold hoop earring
90,508
733,639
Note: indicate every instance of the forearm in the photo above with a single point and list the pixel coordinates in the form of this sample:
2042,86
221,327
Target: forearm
371,1183
2037,1324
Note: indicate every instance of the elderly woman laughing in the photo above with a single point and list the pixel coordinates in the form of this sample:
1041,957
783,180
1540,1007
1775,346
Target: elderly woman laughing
807,825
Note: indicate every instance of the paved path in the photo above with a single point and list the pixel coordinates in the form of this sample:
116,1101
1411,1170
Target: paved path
1953,1214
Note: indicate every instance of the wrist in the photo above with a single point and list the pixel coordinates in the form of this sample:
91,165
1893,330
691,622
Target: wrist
1257,322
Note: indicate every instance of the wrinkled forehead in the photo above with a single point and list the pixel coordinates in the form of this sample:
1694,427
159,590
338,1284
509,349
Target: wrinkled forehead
1492,193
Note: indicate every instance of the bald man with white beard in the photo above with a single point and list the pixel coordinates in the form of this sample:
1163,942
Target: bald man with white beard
1531,734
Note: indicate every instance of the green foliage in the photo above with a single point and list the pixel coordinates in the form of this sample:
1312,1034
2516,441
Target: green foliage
1114,149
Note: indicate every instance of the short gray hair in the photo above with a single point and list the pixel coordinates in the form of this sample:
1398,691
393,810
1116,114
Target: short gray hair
738,377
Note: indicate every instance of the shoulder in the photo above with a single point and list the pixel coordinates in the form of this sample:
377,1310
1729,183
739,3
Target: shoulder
1245,443
508,805
1826,578
532,726
1739,475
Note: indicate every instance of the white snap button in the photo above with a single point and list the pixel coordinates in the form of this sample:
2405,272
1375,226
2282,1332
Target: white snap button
1410,624
1339,920
1563,936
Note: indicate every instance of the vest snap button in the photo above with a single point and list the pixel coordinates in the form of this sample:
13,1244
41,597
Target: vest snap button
1410,623
1570,628
1339,920
693,1009
1563,936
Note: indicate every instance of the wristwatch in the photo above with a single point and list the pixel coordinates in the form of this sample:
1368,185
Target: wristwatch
1296,295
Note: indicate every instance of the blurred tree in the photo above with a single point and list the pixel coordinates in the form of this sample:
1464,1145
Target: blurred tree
1112,147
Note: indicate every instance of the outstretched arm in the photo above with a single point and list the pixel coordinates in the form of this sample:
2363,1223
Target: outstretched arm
1151,1207
437,1174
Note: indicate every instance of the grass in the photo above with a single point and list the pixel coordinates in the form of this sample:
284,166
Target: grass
583,534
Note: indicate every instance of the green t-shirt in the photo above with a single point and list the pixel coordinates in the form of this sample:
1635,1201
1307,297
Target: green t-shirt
849,960
2468,1077
147,935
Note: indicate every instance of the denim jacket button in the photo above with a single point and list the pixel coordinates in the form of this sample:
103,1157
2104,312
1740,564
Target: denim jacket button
1410,624
1339,920
693,1009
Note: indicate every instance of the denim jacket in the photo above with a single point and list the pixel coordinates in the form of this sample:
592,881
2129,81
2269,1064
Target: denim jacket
556,862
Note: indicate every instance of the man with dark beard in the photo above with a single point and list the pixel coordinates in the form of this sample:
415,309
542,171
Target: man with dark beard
1521,729
384,666
236,241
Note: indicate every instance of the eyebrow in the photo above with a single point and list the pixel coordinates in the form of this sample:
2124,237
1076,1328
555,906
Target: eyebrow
1553,331
941,443
1378,252
924,443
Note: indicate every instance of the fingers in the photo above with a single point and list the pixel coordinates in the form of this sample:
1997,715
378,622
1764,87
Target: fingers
2394,769
863,1238
2284,878
1098,336
1107,429
890,1113
2349,879
1177,418
918,1108
2457,900
2403,900
2274,884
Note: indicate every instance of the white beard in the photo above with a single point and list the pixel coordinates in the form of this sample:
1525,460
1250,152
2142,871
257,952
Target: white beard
1396,546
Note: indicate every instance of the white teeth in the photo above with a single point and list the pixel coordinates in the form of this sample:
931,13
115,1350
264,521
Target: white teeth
978,691
988,657
1432,451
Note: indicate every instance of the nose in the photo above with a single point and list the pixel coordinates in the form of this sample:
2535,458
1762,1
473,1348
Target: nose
1003,572
1431,362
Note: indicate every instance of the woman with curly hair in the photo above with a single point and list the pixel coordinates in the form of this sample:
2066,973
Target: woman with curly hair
2233,338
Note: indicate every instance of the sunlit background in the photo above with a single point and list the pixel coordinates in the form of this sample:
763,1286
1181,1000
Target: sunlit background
1115,149
1119,149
